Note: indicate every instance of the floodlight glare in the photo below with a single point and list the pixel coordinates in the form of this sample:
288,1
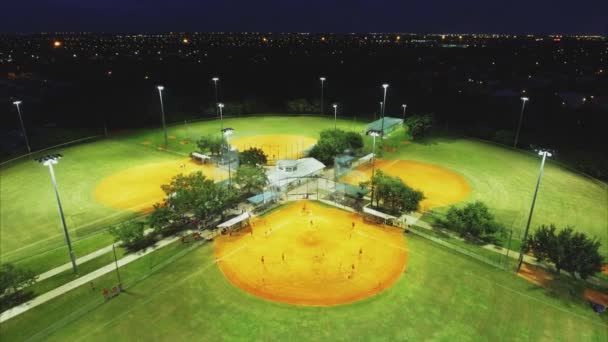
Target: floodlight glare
160,88
335,106
215,79
525,98
385,85
16,103
221,105
322,78
228,131
403,105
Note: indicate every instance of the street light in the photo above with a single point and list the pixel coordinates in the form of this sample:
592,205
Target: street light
373,133
385,86
27,142
50,160
545,154
220,106
162,111
335,115
381,104
322,79
404,106
215,79
521,116
227,133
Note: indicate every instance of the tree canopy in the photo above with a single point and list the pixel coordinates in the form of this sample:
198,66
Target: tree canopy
253,156
474,220
568,250
14,282
302,105
333,142
395,195
211,144
250,179
418,125
131,234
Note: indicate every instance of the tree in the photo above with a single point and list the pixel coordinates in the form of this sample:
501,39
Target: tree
131,235
418,125
13,285
568,250
333,142
211,144
253,156
474,220
250,179
395,195
302,105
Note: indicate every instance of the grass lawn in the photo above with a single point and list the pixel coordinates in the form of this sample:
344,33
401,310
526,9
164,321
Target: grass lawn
441,296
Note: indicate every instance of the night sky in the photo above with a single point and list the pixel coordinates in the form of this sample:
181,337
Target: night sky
432,16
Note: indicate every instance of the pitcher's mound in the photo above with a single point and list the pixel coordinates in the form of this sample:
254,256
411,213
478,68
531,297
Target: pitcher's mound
138,188
307,253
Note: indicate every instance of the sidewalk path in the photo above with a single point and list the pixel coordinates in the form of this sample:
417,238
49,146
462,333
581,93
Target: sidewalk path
45,297
68,266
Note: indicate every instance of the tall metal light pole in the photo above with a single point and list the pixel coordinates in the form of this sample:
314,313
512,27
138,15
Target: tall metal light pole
521,116
220,106
545,154
227,132
50,160
27,142
381,104
215,80
335,115
404,106
373,133
162,112
322,79
385,86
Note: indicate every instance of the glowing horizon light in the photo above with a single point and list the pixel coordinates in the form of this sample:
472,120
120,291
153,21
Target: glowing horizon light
57,43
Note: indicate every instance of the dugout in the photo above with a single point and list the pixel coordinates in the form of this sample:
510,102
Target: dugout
378,217
235,223
390,124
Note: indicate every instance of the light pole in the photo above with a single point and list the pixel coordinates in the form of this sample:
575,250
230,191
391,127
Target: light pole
385,86
335,115
373,133
227,133
220,106
27,142
404,106
215,79
545,154
381,104
521,116
322,79
162,111
50,160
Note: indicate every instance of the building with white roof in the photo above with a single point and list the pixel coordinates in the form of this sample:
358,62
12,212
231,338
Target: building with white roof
287,171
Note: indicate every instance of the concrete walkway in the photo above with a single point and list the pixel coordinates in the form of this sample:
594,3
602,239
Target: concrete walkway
68,266
45,297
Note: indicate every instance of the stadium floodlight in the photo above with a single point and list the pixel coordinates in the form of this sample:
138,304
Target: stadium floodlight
385,86
524,99
404,106
162,112
220,106
545,154
373,133
335,115
215,80
227,132
50,160
27,142
322,79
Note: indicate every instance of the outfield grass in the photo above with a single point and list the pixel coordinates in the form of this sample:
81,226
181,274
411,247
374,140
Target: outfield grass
441,296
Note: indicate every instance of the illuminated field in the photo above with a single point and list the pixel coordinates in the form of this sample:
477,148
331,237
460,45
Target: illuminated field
276,146
138,188
441,186
324,263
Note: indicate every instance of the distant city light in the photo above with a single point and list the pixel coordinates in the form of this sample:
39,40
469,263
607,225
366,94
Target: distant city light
185,41
57,44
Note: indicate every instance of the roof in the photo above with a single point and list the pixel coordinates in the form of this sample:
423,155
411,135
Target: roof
351,190
366,157
234,220
388,122
377,213
286,162
264,196
199,155
306,167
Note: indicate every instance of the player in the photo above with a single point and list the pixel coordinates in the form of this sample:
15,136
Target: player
262,259
353,226
360,251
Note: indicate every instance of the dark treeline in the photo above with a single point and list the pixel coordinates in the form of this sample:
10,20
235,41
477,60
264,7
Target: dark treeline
471,90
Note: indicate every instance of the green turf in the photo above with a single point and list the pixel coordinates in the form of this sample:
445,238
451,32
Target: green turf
441,296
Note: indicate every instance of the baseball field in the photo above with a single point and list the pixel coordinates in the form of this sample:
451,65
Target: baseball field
303,270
